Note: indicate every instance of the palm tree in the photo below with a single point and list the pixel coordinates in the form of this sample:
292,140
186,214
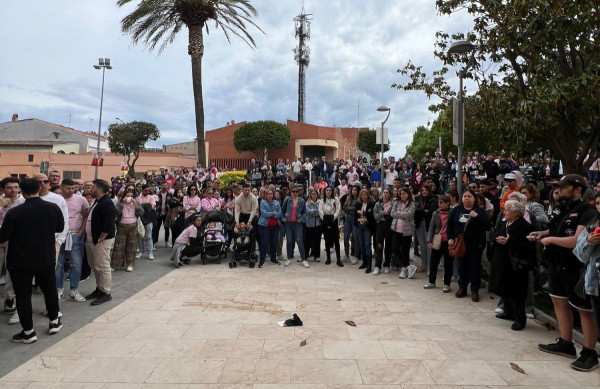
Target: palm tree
159,21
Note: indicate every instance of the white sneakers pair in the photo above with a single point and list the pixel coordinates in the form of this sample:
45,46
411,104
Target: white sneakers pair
73,295
288,261
408,272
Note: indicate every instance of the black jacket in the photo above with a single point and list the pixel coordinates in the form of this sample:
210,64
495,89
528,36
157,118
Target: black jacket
425,211
104,215
29,230
371,223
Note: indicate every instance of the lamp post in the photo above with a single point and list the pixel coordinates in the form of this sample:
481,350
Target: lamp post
122,122
103,63
461,47
388,110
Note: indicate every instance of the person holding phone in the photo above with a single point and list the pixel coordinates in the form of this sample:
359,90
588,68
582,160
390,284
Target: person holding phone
126,239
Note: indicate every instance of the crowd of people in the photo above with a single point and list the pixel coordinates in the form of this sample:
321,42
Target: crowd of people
381,210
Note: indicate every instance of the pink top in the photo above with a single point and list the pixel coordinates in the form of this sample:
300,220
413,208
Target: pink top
386,208
230,203
209,204
343,189
147,200
76,204
293,215
400,224
444,220
190,232
128,214
191,202
88,226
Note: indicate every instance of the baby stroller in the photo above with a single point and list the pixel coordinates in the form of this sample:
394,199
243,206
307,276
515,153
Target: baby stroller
213,236
243,249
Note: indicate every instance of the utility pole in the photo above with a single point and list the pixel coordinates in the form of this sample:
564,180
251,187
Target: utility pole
302,57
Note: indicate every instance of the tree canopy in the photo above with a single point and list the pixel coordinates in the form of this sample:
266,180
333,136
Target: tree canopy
130,139
157,22
537,67
367,142
427,139
261,135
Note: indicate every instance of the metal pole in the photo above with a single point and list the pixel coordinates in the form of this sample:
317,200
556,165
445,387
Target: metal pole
381,162
461,134
100,121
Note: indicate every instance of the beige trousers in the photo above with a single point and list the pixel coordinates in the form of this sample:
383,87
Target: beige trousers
9,293
98,256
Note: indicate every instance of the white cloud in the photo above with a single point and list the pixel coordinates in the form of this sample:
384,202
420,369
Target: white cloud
356,48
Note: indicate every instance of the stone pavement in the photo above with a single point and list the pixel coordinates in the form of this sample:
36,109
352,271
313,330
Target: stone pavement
215,327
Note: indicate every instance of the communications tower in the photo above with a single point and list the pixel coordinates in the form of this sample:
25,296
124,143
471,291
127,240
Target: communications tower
302,57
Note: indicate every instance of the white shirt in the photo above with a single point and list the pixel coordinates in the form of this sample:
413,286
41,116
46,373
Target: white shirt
296,166
62,204
390,176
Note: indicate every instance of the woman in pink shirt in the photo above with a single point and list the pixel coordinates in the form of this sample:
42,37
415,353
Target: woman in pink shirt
438,225
209,203
126,239
187,244
191,202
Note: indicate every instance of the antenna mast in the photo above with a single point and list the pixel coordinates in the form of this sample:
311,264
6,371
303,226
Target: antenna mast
302,57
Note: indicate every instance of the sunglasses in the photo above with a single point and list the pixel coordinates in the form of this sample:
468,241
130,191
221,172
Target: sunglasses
294,191
44,181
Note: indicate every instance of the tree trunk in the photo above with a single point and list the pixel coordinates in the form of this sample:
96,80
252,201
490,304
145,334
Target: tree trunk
131,169
196,52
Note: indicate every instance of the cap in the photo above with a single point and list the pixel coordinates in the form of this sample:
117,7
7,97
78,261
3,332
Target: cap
510,176
574,180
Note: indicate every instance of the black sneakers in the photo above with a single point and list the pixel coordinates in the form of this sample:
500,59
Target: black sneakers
95,294
561,347
587,361
10,307
22,338
103,298
54,328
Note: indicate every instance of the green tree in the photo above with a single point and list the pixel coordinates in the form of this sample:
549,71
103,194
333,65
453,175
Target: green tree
261,135
158,21
130,139
537,68
367,142
427,139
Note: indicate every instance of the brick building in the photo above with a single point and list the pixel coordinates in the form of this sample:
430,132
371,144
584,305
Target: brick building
306,141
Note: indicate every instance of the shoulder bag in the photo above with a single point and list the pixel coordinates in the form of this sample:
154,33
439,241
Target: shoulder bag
459,248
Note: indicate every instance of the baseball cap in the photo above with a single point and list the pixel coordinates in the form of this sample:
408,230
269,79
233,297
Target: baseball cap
572,179
510,176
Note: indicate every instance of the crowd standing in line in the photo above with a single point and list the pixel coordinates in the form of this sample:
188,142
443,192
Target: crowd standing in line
379,213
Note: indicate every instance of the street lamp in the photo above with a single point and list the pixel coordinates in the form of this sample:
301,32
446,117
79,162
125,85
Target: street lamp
388,110
103,63
461,47
122,122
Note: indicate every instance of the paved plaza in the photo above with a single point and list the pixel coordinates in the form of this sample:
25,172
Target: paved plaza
215,327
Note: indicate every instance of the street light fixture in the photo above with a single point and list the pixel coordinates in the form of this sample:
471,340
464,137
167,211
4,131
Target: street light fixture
103,63
388,110
122,122
458,48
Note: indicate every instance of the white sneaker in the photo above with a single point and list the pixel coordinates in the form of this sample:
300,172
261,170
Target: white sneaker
412,269
403,273
150,255
386,270
446,289
155,246
138,255
169,245
129,268
14,319
287,262
429,285
305,264
75,295
376,271
353,260
530,315
499,311
61,292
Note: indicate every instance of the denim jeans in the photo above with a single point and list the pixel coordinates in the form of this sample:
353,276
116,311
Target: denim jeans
293,233
268,239
363,240
147,239
421,234
75,261
348,230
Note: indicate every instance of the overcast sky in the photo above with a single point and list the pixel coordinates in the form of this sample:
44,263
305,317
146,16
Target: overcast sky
48,49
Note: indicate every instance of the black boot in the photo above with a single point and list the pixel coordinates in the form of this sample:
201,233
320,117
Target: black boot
337,256
519,313
328,261
369,260
363,265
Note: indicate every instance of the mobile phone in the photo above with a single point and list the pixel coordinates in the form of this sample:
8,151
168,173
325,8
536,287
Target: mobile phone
596,231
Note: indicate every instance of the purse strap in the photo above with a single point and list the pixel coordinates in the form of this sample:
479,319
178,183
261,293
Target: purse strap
465,228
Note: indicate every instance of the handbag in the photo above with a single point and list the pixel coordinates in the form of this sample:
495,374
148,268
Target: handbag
436,244
140,228
459,248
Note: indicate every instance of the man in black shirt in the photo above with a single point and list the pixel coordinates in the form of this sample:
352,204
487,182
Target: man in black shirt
566,223
29,229
491,167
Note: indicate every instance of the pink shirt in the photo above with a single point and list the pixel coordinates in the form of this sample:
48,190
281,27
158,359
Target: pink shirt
76,204
209,204
190,232
444,221
147,200
88,226
191,202
128,214
293,215
399,223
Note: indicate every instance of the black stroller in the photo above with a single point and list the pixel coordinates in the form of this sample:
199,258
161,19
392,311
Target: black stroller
213,236
243,247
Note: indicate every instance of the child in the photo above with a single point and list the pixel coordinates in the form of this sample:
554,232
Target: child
214,234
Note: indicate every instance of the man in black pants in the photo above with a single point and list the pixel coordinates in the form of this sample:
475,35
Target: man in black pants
162,209
30,230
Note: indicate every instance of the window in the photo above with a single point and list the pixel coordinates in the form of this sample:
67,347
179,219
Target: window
72,174
30,157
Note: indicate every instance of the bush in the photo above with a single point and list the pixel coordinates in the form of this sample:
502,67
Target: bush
234,176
